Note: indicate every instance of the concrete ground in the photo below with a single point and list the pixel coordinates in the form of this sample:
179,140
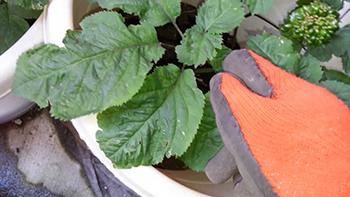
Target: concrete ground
40,156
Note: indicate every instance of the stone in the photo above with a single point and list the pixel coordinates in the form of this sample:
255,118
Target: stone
43,160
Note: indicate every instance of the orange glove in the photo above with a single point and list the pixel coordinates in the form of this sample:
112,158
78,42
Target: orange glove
294,143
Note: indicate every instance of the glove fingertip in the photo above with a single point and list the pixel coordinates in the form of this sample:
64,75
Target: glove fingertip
243,66
222,167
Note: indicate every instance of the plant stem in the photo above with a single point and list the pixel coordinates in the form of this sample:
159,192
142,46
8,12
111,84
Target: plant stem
264,19
167,45
201,81
204,70
189,11
269,22
183,67
345,13
178,29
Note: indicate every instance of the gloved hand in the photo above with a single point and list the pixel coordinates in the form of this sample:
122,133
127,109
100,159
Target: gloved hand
287,136
223,166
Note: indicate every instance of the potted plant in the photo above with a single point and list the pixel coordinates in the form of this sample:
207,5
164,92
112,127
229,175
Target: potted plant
25,24
144,68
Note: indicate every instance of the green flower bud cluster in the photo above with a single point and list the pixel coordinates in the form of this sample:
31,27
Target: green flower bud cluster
311,25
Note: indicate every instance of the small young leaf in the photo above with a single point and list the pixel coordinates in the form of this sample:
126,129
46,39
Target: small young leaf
11,28
31,4
206,143
310,69
259,6
219,16
202,40
336,75
103,65
156,12
278,50
160,120
217,61
340,89
198,46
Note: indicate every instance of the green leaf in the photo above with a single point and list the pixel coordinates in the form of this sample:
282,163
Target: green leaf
322,53
160,120
202,40
156,12
278,50
22,12
218,60
335,4
198,46
337,76
31,4
339,46
11,28
341,42
103,65
206,143
310,69
130,6
219,16
340,89
259,6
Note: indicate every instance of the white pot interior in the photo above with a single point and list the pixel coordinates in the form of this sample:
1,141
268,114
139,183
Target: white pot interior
149,181
50,27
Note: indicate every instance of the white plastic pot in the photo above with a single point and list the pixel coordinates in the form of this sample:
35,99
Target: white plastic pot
50,27
149,181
